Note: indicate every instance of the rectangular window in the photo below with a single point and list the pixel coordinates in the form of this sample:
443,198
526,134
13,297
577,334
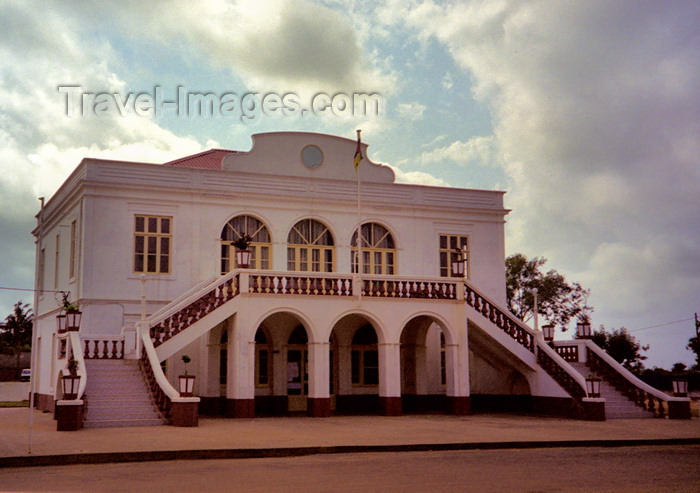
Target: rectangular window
152,244
40,275
451,248
73,233
56,259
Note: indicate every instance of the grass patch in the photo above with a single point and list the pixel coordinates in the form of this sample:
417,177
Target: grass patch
14,403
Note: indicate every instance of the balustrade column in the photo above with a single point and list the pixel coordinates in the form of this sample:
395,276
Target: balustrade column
390,378
319,400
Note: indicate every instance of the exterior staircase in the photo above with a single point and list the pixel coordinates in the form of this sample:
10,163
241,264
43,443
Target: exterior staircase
117,395
617,405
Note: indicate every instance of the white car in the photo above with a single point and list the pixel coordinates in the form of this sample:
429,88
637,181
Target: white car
25,375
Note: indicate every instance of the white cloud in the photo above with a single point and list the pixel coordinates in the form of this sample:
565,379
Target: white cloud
596,118
477,150
411,111
418,178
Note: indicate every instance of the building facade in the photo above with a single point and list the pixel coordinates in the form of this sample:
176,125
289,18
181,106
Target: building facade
148,252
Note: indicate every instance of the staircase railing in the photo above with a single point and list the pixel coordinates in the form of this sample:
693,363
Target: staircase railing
167,323
503,319
162,392
563,373
623,380
95,347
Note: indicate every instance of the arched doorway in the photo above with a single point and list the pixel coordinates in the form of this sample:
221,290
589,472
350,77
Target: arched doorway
297,370
354,366
423,366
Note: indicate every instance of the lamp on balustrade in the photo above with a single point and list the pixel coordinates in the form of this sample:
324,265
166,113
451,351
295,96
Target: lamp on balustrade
680,386
548,331
583,328
593,386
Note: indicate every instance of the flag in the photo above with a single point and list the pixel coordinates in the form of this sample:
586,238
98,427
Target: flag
358,152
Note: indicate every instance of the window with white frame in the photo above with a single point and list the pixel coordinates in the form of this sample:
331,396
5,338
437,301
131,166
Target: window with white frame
73,247
310,247
260,246
378,250
152,244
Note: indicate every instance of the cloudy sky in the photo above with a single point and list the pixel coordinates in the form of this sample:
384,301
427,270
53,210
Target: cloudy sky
587,113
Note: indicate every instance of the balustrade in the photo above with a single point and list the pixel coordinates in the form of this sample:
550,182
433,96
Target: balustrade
560,375
642,398
568,353
159,397
296,284
385,288
103,348
504,321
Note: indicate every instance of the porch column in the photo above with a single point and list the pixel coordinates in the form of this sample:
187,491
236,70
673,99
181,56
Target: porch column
390,378
240,378
319,399
457,368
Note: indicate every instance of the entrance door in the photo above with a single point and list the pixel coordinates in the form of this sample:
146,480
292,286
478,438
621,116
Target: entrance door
297,377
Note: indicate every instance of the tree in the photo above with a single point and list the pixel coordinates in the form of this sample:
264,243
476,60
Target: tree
694,346
622,347
557,301
16,335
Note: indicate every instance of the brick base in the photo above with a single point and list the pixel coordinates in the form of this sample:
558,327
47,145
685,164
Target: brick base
240,408
69,417
318,407
594,409
184,414
390,406
459,405
679,409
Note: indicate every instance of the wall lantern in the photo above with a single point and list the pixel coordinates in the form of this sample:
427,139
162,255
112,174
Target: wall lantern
593,386
548,331
459,264
680,386
583,329
243,258
61,322
73,318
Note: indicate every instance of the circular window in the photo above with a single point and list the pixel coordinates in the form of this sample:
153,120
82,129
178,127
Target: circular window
312,156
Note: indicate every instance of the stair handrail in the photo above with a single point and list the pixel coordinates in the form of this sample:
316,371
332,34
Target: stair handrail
536,338
163,382
75,349
194,289
504,312
628,375
184,300
572,372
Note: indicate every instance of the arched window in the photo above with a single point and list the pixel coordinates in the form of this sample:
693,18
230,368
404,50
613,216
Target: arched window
365,357
378,250
310,247
260,246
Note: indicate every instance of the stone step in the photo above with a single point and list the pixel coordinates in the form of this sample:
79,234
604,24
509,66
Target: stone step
113,423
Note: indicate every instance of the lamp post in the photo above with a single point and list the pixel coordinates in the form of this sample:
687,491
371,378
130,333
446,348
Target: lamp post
534,295
680,386
593,386
583,328
548,330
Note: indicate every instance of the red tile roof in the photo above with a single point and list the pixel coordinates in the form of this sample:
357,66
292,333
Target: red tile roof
210,159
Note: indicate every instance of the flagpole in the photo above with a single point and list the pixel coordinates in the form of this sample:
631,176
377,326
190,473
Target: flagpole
359,213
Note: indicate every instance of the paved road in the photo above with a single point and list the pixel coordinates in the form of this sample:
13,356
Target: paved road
627,469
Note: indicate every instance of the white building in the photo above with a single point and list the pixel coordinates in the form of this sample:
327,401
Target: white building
299,330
